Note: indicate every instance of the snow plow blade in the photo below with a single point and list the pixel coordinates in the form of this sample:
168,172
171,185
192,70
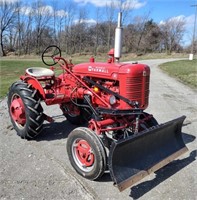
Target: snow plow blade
131,159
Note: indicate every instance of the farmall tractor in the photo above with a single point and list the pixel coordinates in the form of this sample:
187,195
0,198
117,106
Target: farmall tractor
107,102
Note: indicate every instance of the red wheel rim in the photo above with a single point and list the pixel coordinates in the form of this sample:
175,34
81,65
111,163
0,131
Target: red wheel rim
84,153
17,110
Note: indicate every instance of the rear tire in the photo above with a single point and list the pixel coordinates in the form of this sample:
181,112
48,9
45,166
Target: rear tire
76,115
86,153
25,110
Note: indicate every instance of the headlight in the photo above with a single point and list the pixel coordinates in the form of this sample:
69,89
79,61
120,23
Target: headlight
112,100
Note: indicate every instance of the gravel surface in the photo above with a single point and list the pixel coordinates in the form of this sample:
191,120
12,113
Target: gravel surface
39,169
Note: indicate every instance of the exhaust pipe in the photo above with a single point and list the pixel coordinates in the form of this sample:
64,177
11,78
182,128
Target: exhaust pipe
118,38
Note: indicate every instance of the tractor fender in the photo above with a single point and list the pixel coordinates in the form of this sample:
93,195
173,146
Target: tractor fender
35,84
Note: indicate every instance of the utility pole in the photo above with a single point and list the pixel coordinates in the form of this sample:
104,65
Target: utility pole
191,56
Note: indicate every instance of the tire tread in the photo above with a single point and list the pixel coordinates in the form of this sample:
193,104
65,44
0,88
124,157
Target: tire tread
33,109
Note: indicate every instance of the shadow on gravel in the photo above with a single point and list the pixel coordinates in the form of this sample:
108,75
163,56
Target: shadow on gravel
55,131
105,178
188,138
161,175
165,172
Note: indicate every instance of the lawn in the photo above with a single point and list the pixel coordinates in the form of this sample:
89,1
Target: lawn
11,70
183,70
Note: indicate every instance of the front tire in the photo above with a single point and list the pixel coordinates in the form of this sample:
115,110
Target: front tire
86,153
25,110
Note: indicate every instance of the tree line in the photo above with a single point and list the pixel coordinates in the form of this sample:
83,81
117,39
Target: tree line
30,29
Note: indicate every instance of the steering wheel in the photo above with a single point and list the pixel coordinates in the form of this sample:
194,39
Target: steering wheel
50,52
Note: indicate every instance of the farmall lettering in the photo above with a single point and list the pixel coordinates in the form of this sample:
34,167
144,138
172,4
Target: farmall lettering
98,69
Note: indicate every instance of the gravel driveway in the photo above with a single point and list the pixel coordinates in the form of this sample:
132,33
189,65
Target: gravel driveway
40,169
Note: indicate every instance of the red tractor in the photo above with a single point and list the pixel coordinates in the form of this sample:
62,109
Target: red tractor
108,101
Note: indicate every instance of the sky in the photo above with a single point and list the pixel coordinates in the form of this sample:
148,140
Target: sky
158,10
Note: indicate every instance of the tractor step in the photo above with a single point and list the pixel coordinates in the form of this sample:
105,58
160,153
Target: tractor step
131,159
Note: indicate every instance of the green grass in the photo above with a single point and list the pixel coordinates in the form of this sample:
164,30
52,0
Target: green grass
184,70
11,70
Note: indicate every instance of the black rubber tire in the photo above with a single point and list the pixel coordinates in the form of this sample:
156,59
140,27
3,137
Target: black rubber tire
75,120
80,119
33,110
97,147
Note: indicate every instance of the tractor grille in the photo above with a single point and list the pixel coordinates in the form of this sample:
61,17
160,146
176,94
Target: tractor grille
137,89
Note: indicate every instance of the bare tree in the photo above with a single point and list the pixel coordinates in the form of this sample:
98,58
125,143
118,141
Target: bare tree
55,19
7,19
70,9
98,16
27,32
42,17
110,15
20,24
80,28
152,37
141,21
129,38
172,30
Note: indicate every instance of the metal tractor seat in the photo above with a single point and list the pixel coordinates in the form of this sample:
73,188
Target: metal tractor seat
39,72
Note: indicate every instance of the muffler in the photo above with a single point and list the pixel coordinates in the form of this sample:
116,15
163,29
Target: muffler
131,159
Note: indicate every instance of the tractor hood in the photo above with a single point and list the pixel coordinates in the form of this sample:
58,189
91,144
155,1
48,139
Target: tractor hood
110,70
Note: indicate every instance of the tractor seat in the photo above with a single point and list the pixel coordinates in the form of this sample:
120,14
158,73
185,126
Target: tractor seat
39,72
